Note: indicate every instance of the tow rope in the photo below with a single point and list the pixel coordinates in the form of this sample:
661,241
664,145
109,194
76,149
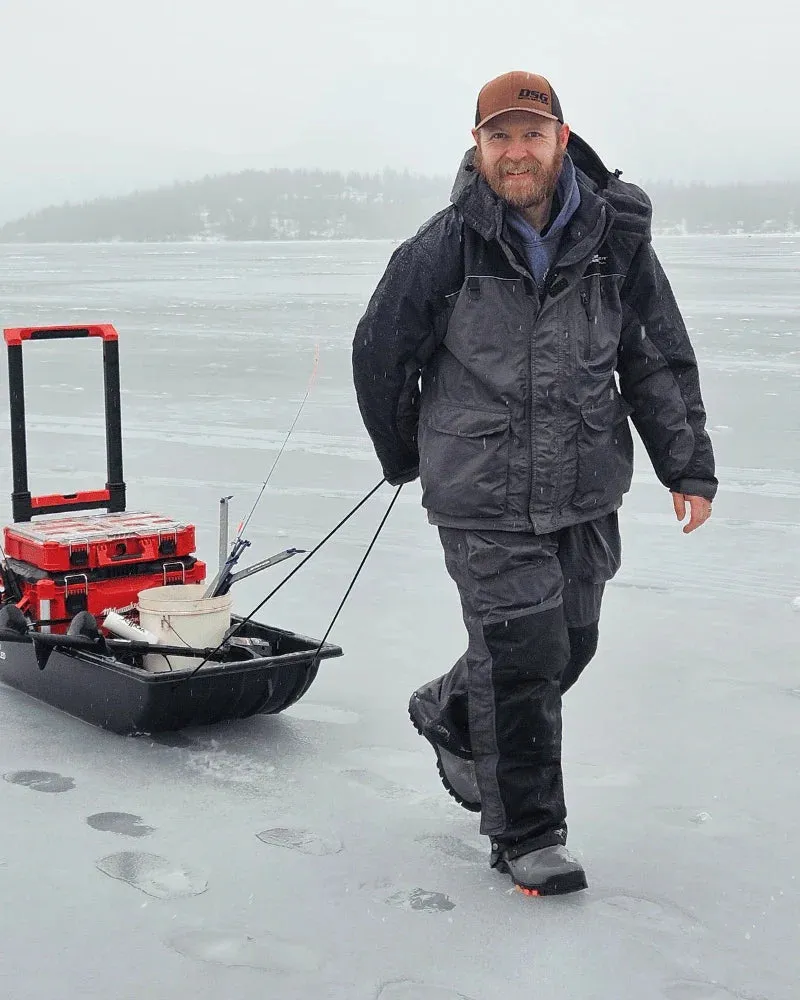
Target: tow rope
232,631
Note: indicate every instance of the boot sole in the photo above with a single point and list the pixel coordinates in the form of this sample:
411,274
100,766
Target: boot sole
467,804
556,885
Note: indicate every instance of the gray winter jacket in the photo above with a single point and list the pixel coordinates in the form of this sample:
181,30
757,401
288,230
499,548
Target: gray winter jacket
512,403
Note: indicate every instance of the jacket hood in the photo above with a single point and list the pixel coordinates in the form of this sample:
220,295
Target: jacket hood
626,204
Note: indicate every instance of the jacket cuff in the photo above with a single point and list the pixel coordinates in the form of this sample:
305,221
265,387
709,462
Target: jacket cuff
407,476
696,488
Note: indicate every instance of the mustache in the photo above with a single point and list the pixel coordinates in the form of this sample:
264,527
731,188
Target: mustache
522,167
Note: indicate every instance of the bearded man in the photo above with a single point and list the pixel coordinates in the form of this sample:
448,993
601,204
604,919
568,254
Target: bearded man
500,359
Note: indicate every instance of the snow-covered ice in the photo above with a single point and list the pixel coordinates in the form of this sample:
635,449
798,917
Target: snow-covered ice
315,854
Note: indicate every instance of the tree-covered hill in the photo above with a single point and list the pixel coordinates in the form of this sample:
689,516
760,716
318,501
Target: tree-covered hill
252,205
726,208
311,204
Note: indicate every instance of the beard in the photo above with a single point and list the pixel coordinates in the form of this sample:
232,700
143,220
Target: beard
529,189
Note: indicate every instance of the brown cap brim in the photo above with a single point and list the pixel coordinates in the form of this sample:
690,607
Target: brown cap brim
529,111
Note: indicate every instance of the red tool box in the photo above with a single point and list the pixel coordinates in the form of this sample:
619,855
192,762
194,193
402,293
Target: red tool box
97,540
56,598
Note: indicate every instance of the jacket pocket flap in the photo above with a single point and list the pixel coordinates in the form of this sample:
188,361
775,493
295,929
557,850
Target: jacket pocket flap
600,416
468,423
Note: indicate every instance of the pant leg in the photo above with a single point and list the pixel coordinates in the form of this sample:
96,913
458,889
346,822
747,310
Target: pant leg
447,701
511,594
590,555
582,647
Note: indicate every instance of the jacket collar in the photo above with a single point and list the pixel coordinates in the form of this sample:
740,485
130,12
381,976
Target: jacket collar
482,210
625,205
485,212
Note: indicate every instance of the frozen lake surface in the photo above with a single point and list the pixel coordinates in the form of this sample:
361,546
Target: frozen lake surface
315,854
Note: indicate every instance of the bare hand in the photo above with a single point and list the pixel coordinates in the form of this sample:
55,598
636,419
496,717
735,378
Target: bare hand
699,510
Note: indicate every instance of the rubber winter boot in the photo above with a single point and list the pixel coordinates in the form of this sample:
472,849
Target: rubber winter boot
453,759
548,871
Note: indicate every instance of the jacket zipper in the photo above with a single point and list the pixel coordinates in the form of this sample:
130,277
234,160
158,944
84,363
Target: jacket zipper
587,351
539,297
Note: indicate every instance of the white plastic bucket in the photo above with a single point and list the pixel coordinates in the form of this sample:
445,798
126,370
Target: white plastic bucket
179,615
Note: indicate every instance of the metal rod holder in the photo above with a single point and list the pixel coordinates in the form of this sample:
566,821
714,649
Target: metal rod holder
224,541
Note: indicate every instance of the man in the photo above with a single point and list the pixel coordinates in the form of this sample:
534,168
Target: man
499,359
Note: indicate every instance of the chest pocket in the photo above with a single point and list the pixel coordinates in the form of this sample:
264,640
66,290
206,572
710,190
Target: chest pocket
487,335
599,319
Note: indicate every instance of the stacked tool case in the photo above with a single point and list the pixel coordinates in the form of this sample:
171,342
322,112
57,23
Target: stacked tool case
97,562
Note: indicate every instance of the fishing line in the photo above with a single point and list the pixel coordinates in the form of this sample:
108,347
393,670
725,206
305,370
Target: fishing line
232,632
310,386
221,581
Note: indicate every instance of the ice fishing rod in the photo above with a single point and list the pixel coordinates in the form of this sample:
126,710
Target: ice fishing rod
222,581
235,628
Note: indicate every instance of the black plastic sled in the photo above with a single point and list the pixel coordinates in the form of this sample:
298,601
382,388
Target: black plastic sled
113,691
70,586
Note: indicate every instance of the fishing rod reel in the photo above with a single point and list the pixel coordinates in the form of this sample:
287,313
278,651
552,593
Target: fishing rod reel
225,577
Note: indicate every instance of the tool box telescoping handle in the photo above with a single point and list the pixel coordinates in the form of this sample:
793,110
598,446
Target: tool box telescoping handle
112,498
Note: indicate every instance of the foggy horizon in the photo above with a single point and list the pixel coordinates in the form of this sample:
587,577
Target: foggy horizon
686,96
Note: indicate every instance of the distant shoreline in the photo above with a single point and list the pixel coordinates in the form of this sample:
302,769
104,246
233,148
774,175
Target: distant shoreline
285,206
328,241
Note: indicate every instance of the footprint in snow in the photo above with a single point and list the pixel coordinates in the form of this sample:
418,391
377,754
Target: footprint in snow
125,824
649,914
387,771
40,781
311,712
234,948
451,847
153,875
386,758
720,824
406,989
685,989
384,787
304,841
420,899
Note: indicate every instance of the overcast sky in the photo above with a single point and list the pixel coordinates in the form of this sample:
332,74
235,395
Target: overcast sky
99,96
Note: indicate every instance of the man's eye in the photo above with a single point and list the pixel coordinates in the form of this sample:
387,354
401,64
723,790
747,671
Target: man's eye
497,135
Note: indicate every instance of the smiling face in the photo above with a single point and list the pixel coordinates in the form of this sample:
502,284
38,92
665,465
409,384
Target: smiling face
519,155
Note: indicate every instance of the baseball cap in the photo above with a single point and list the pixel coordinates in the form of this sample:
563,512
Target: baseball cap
517,91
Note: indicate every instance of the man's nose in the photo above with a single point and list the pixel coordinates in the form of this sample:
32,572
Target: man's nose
517,150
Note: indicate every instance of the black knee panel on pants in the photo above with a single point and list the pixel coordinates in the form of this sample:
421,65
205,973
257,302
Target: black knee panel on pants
582,646
528,658
529,655
531,647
